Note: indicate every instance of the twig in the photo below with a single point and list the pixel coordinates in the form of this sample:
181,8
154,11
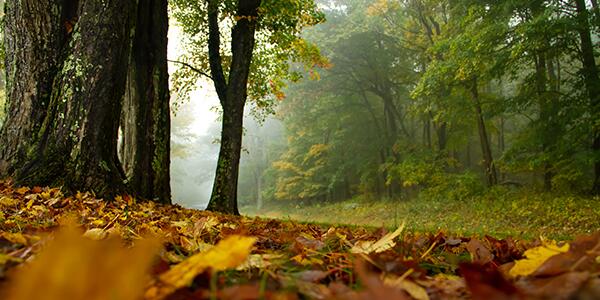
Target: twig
191,67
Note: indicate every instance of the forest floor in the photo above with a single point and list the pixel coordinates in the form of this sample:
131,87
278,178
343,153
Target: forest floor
525,214
77,247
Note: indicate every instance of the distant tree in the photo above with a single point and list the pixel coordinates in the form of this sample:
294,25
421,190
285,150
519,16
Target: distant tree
592,82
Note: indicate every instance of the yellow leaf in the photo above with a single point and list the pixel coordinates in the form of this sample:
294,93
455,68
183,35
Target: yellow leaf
5,201
30,203
73,267
227,254
96,234
383,244
414,290
15,238
22,190
535,257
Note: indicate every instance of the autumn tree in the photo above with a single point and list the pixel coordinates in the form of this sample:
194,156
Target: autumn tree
264,38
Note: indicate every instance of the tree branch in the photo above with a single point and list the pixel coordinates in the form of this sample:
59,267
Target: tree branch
214,50
191,68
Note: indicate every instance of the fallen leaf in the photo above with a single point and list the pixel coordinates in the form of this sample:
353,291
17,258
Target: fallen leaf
96,234
227,254
383,244
479,253
413,289
73,267
535,257
485,282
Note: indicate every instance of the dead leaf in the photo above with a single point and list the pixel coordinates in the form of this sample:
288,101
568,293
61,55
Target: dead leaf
487,283
227,254
383,244
414,290
73,267
479,253
96,234
535,257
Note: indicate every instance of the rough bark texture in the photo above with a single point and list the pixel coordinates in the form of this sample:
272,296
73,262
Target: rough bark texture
592,83
76,143
232,94
146,115
34,34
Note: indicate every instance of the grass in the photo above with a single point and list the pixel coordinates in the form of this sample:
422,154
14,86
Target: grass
525,214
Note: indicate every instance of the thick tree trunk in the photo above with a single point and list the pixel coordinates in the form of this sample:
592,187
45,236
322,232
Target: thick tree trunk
232,95
146,117
76,145
592,84
488,160
34,33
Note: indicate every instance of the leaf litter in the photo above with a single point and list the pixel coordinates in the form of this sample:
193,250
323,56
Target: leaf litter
78,247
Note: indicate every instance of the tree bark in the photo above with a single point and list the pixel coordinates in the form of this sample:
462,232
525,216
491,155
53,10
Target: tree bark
488,160
232,95
34,33
592,84
146,120
76,144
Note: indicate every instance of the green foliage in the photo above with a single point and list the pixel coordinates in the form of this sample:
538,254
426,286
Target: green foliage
412,84
278,43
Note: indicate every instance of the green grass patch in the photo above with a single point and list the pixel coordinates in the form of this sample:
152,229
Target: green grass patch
525,214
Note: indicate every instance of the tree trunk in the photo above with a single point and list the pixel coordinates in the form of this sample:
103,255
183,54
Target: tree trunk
544,102
502,143
592,84
146,119
488,161
441,134
232,95
76,145
34,33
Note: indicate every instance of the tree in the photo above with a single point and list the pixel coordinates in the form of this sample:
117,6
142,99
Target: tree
65,81
145,122
264,38
592,83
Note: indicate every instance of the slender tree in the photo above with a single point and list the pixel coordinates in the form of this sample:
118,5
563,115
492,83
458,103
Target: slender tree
265,38
232,95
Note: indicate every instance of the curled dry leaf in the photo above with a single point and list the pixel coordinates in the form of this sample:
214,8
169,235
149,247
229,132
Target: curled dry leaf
383,244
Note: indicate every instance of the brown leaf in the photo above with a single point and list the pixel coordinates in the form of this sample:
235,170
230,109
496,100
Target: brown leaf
312,275
485,282
479,253
559,287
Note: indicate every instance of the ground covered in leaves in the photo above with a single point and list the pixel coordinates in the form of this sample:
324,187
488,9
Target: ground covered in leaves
79,247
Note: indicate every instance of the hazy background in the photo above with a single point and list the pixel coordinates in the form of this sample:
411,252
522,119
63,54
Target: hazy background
196,130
